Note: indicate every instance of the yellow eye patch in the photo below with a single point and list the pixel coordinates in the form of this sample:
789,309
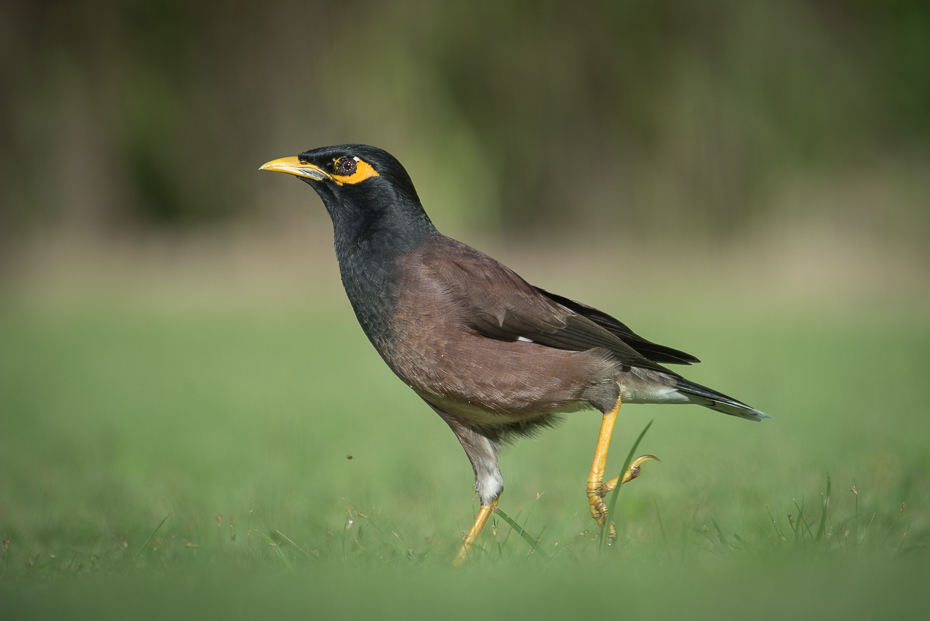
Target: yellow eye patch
358,171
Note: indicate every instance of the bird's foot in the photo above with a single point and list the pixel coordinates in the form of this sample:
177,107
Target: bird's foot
597,492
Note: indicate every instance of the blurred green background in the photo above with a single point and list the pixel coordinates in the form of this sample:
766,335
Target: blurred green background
663,118
746,181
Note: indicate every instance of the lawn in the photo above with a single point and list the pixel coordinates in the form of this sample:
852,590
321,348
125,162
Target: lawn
243,462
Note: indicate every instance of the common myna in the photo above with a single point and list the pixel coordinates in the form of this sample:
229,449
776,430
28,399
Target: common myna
493,355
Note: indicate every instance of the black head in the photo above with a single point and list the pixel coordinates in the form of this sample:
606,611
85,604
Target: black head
349,171
365,189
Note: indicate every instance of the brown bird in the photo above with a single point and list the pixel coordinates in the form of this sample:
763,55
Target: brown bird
493,355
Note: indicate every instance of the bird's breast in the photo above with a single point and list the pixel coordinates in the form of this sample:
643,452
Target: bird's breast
371,290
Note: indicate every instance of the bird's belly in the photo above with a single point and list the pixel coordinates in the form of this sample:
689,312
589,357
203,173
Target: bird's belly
488,382
477,416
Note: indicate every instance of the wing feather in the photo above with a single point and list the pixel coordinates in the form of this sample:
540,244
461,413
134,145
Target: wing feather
499,304
653,351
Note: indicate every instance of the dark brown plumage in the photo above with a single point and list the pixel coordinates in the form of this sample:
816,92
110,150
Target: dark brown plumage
493,355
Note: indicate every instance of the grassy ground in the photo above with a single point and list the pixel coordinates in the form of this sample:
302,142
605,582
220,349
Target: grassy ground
298,476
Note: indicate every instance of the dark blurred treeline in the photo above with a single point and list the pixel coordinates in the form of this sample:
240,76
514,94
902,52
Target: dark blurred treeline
669,116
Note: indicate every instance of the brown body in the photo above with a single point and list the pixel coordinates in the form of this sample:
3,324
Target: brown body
453,366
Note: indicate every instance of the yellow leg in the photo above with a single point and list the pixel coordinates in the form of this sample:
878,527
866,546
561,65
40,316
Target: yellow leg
596,477
597,489
483,514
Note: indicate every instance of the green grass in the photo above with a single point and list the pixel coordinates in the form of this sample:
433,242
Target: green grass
173,463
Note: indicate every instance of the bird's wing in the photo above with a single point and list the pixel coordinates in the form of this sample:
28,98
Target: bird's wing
499,304
653,351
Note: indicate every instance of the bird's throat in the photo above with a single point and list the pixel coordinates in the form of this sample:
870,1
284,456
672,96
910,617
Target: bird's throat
368,249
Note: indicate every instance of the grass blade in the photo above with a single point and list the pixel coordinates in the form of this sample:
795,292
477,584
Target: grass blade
798,532
668,550
277,549
822,528
613,496
160,524
526,536
288,539
775,524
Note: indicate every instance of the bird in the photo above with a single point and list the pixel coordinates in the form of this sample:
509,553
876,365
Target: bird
494,356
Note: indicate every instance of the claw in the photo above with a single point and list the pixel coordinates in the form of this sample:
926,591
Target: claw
599,513
631,473
596,496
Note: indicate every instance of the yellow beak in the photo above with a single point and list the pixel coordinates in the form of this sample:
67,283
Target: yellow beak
293,166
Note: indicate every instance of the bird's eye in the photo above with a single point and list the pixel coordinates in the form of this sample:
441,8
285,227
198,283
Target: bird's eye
346,166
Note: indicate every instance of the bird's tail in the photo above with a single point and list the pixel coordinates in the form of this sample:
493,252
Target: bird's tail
701,395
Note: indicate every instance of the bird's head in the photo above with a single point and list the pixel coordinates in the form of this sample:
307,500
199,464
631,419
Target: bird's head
349,173
365,190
